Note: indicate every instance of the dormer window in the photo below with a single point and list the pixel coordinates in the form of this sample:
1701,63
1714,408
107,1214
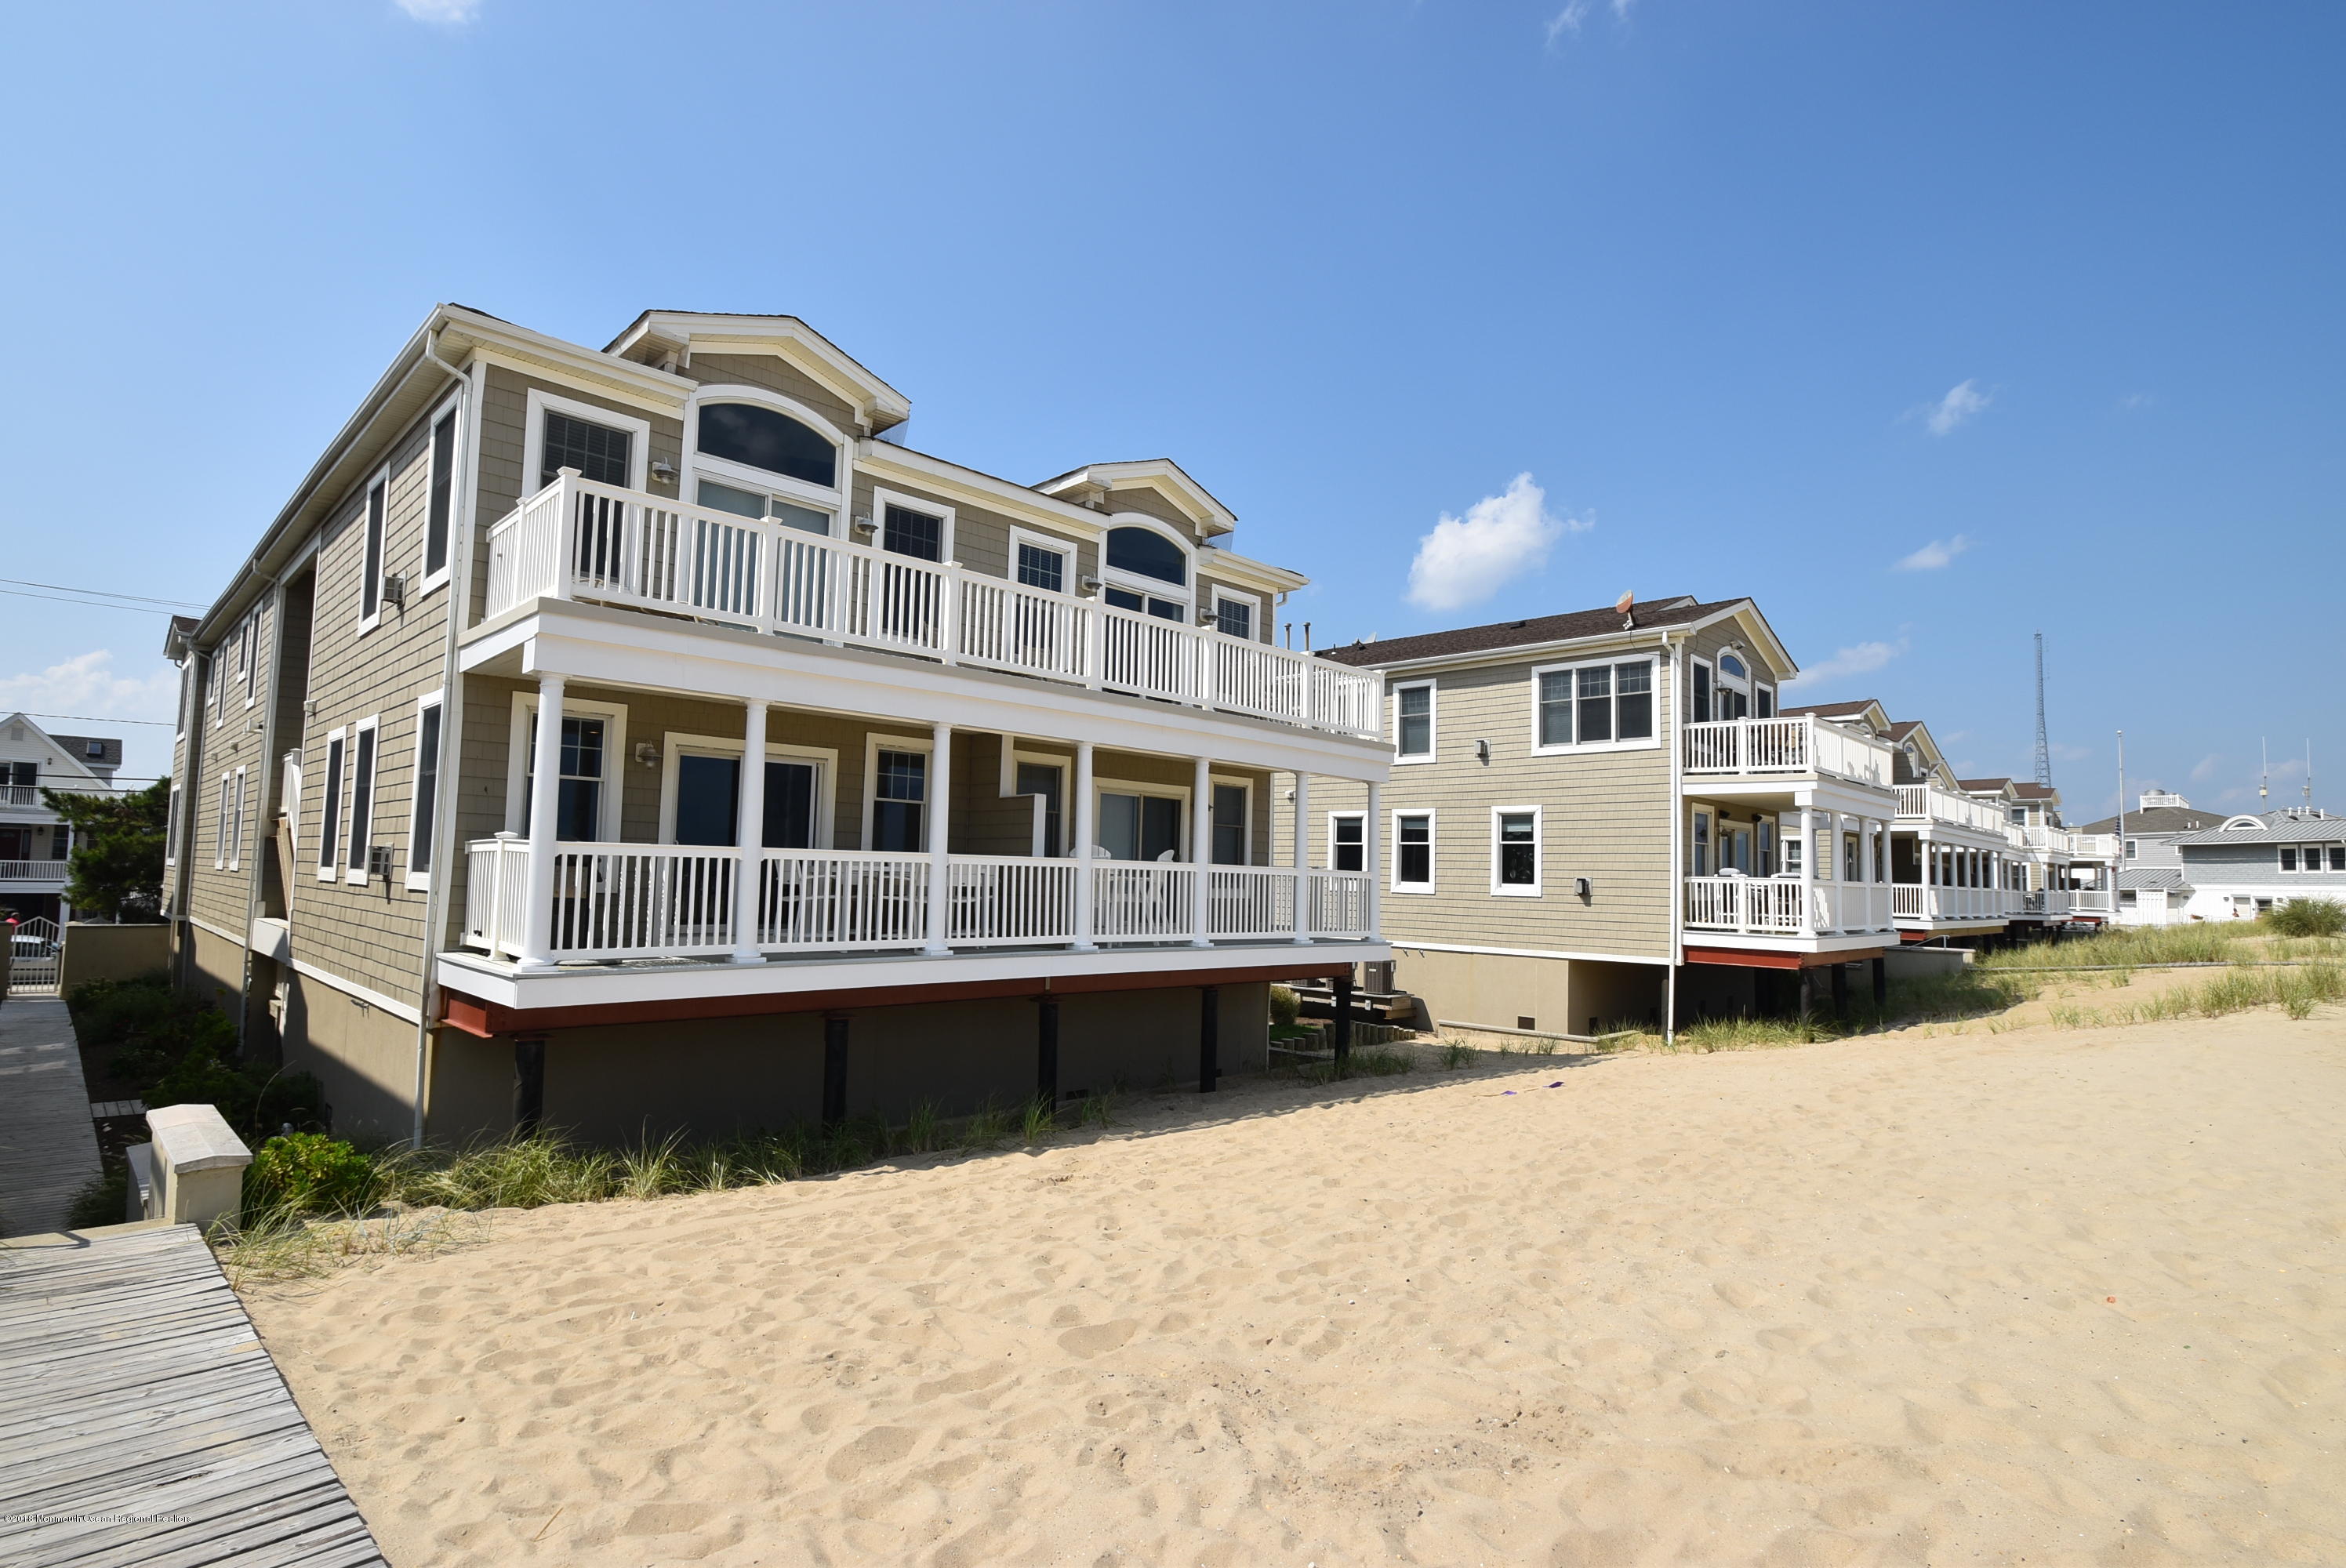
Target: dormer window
1145,553
764,438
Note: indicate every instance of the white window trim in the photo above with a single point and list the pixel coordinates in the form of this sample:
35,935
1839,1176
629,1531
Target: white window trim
1070,578
369,621
1537,886
1104,786
699,465
1595,747
1757,689
219,825
1184,593
873,745
427,581
356,876
881,499
533,443
1433,852
1709,672
421,881
171,826
1703,839
1432,721
1246,854
329,846
249,652
825,758
518,759
1253,602
1328,838
1012,757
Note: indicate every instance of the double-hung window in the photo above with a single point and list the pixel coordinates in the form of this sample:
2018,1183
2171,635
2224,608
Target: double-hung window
1600,705
424,793
378,501
440,505
2289,857
900,792
329,808
362,759
1515,851
1230,803
1347,841
1412,847
1413,722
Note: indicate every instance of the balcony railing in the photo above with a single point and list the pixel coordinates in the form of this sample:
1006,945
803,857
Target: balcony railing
1928,804
677,900
2049,904
577,539
33,872
2093,900
2094,846
1784,747
2051,841
1923,902
1773,906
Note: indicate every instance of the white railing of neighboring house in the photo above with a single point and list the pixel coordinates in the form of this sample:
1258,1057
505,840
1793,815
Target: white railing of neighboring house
1929,803
33,872
579,539
1925,901
676,901
2049,904
20,794
2051,841
2094,846
1801,746
2093,900
1773,906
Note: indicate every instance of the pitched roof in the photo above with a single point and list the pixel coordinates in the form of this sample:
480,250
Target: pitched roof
77,747
1900,728
2277,829
1831,710
1982,783
2151,877
2160,820
2034,791
1675,611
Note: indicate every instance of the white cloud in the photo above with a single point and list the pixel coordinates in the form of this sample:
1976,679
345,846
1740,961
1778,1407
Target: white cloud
1933,556
1860,658
87,683
1567,21
1467,559
2204,769
441,13
2133,401
1963,403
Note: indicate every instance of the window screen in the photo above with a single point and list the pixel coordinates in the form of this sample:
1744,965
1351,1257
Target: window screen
1230,824
1234,617
1596,716
370,564
1345,843
595,451
1556,707
329,827
443,491
899,792
1633,690
362,799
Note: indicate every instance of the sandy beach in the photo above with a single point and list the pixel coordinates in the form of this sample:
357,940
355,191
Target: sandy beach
2042,1296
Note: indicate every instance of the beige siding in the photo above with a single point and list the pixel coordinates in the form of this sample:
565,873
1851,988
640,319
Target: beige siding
774,373
981,537
232,738
1150,502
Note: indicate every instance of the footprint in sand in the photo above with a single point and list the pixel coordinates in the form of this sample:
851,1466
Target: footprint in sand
1096,1338
881,1445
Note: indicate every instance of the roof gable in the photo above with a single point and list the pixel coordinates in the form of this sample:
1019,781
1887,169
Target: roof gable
1100,481
1540,631
655,332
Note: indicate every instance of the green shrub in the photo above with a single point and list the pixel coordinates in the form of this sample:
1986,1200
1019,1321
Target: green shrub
257,1104
310,1173
2308,917
1283,1005
104,1199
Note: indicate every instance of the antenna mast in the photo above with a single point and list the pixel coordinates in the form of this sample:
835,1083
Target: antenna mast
2264,772
2043,748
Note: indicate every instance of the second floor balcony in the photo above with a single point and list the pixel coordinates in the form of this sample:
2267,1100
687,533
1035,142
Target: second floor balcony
1787,749
576,539
1922,803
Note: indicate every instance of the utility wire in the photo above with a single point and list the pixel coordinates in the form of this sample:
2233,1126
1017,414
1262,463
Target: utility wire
86,604
93,719
107,592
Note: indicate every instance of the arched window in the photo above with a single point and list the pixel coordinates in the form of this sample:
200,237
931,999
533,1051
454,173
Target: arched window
1734,687
764,438
1145,552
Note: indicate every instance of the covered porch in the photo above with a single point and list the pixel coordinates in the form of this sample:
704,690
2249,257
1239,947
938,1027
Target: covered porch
1803,868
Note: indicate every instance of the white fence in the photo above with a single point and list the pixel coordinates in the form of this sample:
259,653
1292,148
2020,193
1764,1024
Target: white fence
579,539
47,872
33,957
2093,900
1773,906
1910,900
641,900
1790,747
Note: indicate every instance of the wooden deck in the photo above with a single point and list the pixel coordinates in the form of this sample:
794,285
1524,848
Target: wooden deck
141,1422
47,1149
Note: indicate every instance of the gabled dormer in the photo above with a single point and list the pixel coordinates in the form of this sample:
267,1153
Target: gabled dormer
1918,758
1863,714
1153,488
777,355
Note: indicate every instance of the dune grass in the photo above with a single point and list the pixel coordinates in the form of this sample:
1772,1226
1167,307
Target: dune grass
2296,991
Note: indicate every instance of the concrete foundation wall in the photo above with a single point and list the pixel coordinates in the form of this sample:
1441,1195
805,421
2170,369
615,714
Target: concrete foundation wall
364,1056
1500,991
211,968
711,1077
111,952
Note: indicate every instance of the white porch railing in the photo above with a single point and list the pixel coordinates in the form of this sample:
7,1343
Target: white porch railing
1785,746
2050,903
579,539
1923,902
2094,846
2093,900
2050,840
20,794
1773,906
1920,803
676,901
43,871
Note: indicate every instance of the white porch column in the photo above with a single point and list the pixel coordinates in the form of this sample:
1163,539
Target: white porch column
749,834
1808,869
1372,861
544,803
938,819
1086,833
1303,857
1201,848
1865,860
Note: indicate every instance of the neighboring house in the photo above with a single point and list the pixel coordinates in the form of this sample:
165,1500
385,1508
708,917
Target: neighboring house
1600,817
467,829
2150,886
2066,877
34,844
2247,865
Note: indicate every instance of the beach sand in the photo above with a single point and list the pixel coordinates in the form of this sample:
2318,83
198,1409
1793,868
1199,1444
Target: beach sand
2038,1296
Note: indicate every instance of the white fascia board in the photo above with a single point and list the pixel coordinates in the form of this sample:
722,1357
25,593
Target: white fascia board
1213,516
1752,942
503,985
483,331
1877,800
1643,639
1778,655
818,355
1404,947
623,648
889,459
1247,572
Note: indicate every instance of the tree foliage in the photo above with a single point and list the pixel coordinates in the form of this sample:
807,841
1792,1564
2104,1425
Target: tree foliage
116,869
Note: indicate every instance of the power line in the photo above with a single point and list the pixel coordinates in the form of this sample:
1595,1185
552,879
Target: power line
93,719
108,592
86,604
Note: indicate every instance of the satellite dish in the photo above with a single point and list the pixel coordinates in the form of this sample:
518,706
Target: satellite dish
1621,605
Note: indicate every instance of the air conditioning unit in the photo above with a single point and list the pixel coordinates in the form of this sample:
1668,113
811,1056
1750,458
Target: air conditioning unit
394,589
378,861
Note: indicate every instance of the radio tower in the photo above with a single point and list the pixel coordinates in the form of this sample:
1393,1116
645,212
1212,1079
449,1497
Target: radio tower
2043,748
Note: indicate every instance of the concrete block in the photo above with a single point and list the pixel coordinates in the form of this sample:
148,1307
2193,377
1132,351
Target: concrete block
199,1165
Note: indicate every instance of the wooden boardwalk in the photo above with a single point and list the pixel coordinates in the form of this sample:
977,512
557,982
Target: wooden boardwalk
48,1150
141,1422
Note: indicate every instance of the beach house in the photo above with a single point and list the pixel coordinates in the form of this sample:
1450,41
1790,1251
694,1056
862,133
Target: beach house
650,735
2248,865
35,845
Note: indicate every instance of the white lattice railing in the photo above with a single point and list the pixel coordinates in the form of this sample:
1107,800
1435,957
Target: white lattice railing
1805,745
677,900
579,539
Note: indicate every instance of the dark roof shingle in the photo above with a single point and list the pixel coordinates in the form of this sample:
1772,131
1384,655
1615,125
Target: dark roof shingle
1666,611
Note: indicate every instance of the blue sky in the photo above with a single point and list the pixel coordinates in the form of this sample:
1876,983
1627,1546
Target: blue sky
2040,302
